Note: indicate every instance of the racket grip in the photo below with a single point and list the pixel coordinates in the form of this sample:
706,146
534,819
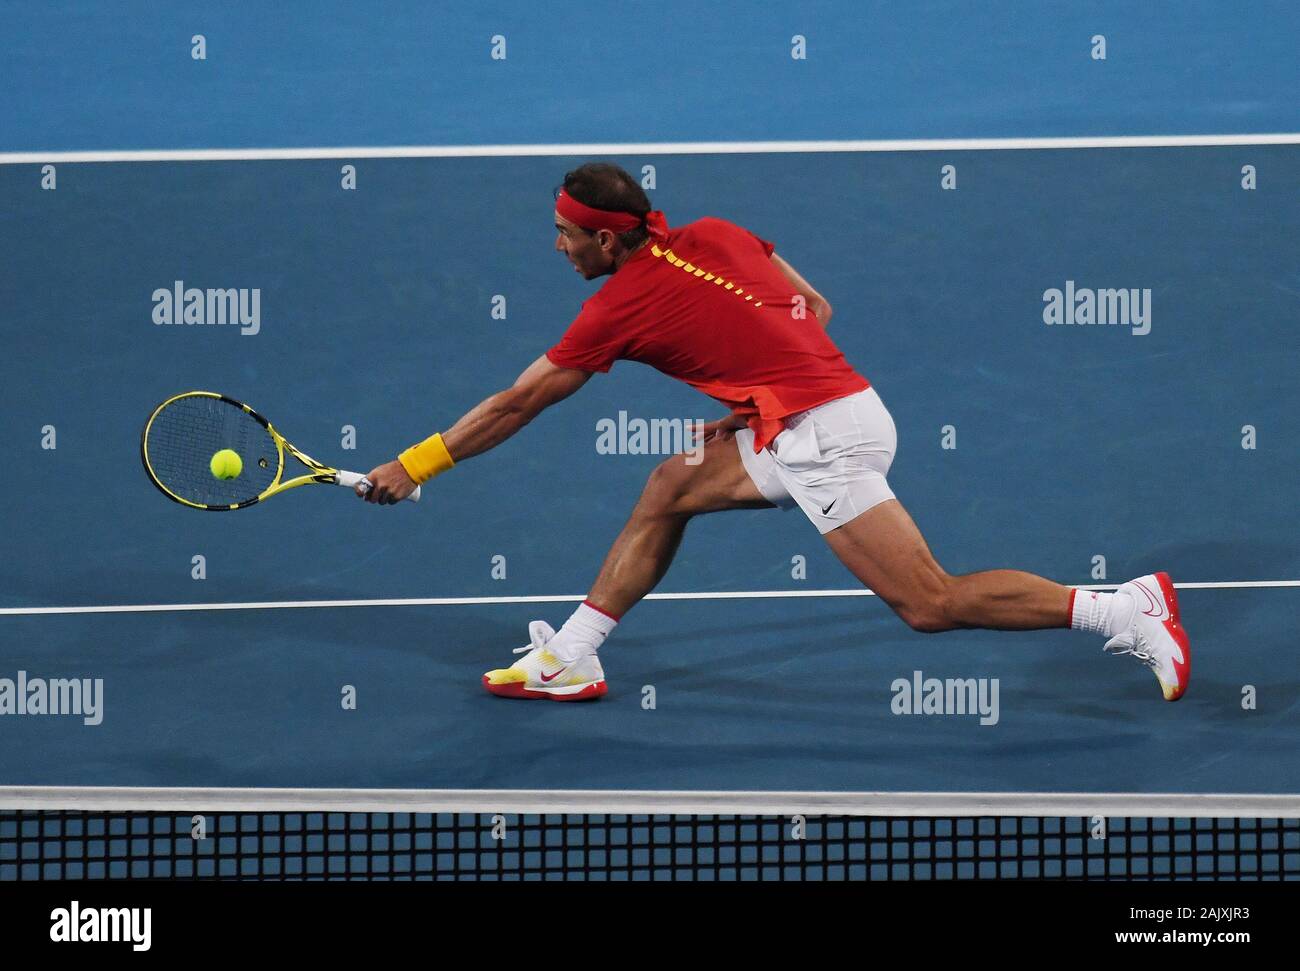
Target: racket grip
353,479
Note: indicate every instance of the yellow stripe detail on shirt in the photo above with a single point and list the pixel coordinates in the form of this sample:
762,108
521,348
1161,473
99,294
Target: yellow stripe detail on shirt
697,271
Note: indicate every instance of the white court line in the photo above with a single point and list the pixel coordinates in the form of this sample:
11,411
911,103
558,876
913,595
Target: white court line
684,802
549,598
649,148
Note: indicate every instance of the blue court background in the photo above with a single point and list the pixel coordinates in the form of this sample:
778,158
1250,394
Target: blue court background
1072,442
115,76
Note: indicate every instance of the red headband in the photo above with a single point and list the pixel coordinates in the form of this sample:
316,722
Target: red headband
616,222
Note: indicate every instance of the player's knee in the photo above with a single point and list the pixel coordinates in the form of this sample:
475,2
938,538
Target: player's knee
928,610
925,621
665,489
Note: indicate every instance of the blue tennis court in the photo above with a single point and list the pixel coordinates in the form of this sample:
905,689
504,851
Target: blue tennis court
1086,453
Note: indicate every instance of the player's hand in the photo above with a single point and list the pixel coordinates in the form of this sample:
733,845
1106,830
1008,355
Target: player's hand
723,429
389,484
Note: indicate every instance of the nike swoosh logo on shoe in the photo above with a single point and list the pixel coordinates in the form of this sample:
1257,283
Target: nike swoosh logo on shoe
1155,604
547,679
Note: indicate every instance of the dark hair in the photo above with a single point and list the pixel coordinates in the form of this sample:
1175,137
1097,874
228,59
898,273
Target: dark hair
603,185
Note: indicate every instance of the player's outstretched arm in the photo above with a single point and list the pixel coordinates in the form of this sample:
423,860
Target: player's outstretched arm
818,304
495,419
486,425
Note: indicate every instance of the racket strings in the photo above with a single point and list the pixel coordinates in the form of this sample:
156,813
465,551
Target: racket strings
183,437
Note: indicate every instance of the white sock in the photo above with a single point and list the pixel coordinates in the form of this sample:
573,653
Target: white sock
582,633
1103,613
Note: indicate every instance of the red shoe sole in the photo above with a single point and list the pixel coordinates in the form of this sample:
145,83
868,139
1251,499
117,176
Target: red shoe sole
1179,633
516,689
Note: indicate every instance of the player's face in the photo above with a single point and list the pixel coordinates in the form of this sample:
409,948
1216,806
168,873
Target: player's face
584,249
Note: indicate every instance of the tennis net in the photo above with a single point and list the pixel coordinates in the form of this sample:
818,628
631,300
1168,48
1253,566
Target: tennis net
76,845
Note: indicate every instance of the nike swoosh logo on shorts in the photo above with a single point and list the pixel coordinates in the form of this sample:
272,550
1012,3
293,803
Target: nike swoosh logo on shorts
828,508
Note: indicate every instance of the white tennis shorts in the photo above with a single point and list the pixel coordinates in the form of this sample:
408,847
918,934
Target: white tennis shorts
831,460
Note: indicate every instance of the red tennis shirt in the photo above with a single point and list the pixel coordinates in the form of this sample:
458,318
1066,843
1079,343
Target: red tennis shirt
709,307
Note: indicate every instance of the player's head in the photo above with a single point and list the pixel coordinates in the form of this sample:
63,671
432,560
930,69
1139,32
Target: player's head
601,185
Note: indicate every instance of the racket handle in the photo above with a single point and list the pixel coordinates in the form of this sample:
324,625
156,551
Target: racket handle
354,479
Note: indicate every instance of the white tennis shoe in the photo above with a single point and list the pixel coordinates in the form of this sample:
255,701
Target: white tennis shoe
1156,637
540,674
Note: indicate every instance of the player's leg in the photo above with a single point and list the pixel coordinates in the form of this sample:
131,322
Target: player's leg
675,492
563,666
834,460
884,549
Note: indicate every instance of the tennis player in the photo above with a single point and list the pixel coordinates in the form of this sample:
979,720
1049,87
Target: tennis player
711,304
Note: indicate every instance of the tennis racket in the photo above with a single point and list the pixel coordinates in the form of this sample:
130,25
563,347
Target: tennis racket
185,431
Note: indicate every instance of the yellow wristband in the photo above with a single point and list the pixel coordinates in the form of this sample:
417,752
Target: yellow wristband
422,462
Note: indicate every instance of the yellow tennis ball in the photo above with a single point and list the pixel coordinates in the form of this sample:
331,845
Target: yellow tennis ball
226,464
